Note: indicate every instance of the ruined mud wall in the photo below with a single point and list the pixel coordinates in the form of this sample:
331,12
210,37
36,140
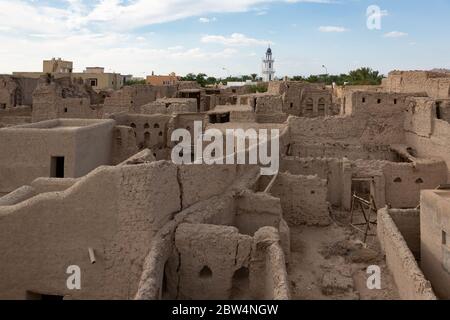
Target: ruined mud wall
199,187
257,210
269,109
29,151
150,131
404,181
409,279
124,144
65,98
358,103
303,99
114,210
435,240
329,169
268,275
16,91
408,223
132,98
426,134
303,199
184,121
216,262
120,239
15,116
351,137
209,257
434,84
170,106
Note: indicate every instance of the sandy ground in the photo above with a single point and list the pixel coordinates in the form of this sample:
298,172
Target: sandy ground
330,263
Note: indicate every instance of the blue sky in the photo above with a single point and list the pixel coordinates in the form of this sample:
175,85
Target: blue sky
224,37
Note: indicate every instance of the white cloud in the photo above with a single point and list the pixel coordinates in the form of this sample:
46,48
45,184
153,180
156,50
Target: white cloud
116,14
102,32
395,34
207,20
236,39
332,29
121,53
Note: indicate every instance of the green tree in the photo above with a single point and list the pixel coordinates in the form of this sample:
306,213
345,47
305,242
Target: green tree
134,82
189,77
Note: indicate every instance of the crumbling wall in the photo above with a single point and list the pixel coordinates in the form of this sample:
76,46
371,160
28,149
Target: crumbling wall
16,91
404,181
15,116
170,106
361,103
269,109
329,169
303,199
29,150
124,144
257,210
64,98
351,137
127,210
419,116
410,281
150,131
184,121
435,240
117,211
132,98
209,257
426,134
434,84
303,99
268,275
408,223
197,183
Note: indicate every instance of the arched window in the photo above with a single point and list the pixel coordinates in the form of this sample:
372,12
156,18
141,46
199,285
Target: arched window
147,139
133,125
146,126
309,107
156,126
240,284
205,273
321,107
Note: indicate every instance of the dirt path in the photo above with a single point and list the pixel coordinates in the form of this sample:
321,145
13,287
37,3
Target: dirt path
331,263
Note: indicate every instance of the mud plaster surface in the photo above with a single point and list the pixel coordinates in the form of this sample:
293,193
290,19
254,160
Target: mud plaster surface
330,263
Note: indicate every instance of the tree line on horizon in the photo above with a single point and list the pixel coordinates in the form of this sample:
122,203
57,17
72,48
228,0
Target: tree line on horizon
360,76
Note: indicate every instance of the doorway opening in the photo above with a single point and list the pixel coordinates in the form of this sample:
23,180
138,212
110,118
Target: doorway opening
57,167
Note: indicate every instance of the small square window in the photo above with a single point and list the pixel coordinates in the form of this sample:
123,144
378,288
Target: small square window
395,101
379,101
363,100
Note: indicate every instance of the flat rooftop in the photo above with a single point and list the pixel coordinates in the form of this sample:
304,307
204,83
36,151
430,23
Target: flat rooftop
61,124
231,108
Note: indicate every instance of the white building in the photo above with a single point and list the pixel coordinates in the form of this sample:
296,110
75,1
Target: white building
268,70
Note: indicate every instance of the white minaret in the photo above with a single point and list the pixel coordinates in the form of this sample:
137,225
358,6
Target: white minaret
268,70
